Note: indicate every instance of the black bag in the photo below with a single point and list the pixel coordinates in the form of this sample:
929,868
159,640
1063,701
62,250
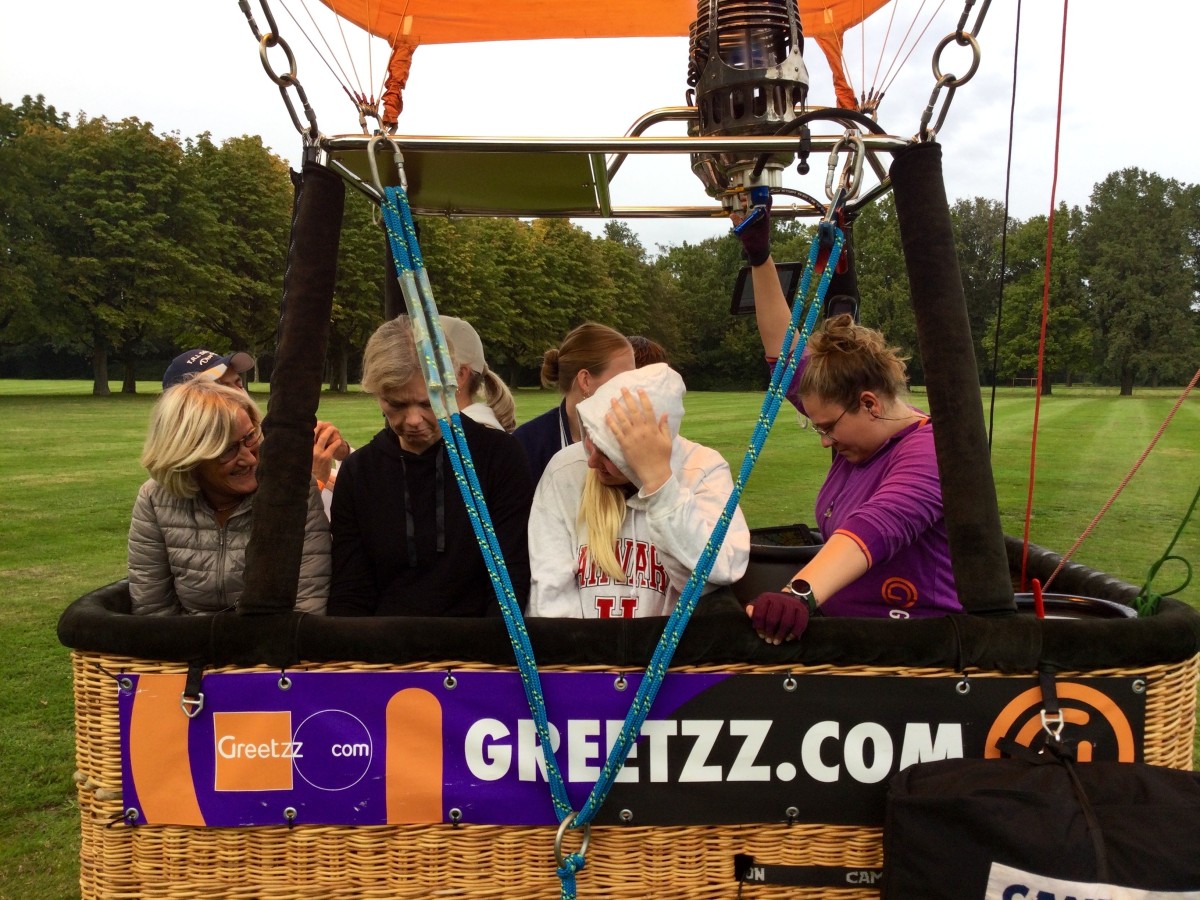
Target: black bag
1060,827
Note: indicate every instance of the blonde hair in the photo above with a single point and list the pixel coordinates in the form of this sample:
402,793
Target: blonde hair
846,359
192,422
495,394
390,359
590,346
602,509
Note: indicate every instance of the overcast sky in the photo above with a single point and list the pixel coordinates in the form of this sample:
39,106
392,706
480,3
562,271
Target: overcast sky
190,67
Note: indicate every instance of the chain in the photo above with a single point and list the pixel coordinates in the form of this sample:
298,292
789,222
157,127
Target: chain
949,82
286,80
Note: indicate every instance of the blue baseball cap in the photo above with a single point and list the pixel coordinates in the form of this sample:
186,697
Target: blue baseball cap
207,363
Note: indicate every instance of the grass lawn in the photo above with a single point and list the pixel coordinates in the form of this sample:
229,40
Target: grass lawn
72,474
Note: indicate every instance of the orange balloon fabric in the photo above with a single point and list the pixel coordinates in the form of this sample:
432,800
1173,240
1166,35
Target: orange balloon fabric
406,24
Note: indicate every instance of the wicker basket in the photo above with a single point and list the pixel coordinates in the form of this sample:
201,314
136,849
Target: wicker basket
478,861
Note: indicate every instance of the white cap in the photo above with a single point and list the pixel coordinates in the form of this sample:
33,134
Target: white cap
466,348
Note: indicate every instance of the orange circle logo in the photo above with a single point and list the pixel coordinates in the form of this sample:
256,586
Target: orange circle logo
899,592
1082,706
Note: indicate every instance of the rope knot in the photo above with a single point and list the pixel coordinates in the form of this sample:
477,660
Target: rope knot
572,863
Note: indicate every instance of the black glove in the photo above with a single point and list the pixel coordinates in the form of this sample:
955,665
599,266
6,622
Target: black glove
779,617
755,234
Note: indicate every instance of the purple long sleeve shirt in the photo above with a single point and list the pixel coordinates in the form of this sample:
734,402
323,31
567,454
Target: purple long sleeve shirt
891,506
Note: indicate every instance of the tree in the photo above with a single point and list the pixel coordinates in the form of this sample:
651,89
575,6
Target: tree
358,292
1140,263
107,202
1069,339
978,231
883,281
239,202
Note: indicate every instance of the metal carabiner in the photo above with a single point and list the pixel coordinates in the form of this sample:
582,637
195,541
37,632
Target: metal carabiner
851,178
375,180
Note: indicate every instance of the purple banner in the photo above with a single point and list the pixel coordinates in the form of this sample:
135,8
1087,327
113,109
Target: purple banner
378,747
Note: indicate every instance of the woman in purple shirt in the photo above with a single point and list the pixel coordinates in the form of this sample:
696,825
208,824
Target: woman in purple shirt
880,508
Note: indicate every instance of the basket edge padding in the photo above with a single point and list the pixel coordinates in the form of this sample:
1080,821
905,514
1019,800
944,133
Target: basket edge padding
718,633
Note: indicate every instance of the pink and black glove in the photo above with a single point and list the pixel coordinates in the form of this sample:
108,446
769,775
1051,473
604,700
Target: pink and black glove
779,617
755,234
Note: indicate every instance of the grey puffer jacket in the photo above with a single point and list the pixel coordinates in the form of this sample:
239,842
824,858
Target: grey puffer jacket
181,561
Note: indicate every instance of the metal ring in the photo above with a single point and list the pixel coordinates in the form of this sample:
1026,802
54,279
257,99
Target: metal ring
1139,686
449,682
626,816
285,683
620,684
269,40
455,815
791,812
963,687
955,81
132,815
790,683
562,829
125,683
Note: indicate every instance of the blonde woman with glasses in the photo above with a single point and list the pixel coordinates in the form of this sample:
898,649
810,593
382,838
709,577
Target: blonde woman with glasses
619,519
191,520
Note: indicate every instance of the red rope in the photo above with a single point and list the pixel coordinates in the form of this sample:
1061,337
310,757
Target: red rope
1129,475
1037,405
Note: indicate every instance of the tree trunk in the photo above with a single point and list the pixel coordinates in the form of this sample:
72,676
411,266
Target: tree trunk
1154,379
1127,383
343,370
129,383
1070,378
100,369
1047,387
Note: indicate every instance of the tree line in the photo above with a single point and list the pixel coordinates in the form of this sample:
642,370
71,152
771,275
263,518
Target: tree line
121,247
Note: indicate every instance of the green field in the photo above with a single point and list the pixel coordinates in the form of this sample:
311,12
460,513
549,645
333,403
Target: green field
71,473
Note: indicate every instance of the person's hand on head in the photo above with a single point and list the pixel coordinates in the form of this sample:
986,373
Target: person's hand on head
778,617
643,436
756,236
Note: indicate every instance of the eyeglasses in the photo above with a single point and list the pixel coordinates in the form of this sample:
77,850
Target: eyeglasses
250,442
826,434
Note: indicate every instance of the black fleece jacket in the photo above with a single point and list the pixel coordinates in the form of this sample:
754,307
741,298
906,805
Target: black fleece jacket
392,557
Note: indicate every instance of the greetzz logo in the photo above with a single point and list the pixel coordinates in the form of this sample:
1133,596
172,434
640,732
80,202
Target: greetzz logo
331,750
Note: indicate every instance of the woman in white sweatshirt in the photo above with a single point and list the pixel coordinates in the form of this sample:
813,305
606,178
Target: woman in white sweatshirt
620,518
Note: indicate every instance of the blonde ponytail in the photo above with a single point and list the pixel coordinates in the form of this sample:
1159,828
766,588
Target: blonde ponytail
497,395
602,510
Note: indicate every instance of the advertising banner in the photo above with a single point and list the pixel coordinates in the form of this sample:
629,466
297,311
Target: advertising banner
379,747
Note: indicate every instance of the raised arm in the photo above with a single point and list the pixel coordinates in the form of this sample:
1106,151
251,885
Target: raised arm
770,306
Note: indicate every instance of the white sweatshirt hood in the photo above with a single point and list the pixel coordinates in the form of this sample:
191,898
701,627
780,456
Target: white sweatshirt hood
662,384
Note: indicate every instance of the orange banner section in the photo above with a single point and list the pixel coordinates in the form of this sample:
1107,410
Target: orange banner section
414,757
158,745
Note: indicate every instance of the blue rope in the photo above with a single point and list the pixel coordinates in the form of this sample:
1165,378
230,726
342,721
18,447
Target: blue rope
781,377
418,296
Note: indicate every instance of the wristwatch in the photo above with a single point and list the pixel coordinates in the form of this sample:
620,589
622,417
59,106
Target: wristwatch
802,590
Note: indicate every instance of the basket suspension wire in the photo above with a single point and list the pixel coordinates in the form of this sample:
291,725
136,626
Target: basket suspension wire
418,296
